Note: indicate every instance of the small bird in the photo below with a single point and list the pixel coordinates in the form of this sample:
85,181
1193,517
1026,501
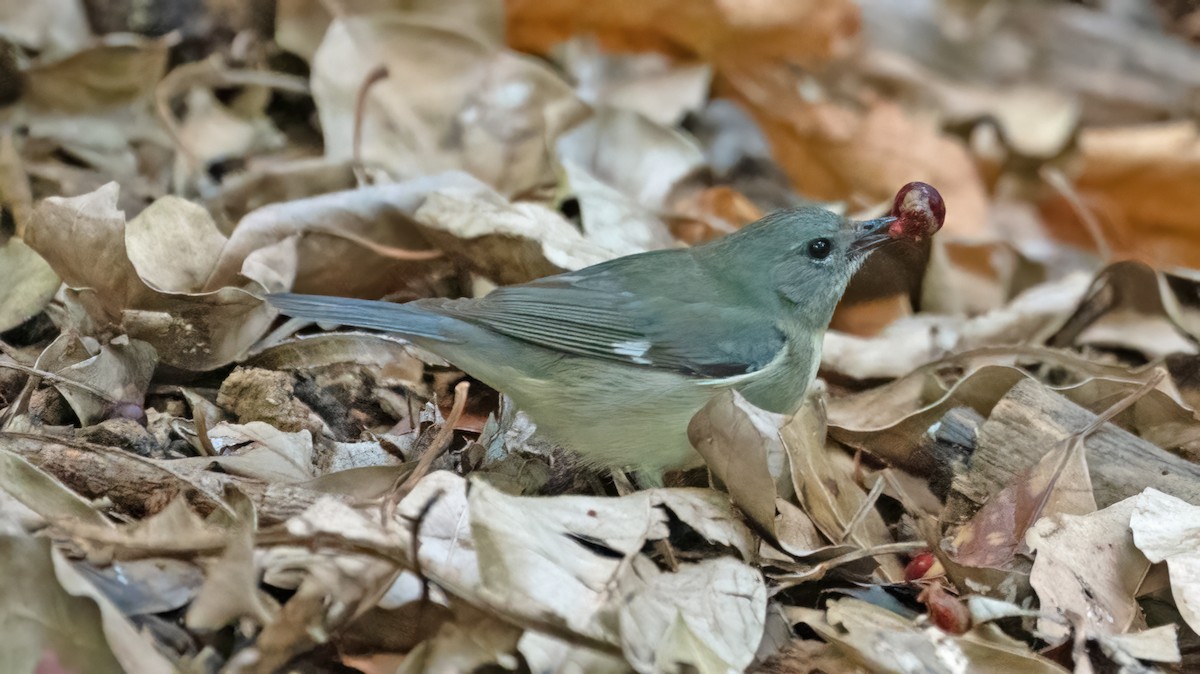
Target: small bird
614,360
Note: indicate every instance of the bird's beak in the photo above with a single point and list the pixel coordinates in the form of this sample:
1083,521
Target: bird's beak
871,234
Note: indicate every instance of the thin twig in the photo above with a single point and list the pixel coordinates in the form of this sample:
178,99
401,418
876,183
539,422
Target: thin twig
60,381
379,249
441,442
867,505
1059,182
376,75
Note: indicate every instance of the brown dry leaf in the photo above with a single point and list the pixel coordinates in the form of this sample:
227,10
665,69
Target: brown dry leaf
648,84
1137,181
741,446
704,214
258,451
626,150
834,152
890,420
122,369
128,642
1132,306
230,590
28,282
120,70
825,485
807,31
667,625
176,529
473,640
54,27
452,98
52,622
371,230
502,241
1166,528
548,654
533,561
578,547
212,132
1087,567
883,641
43,494
392,361
1058,484
272,182
131,277
611,219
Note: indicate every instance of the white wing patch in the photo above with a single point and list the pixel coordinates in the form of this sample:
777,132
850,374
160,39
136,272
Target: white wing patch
635,350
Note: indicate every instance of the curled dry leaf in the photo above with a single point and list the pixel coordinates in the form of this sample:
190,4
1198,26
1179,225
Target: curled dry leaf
741,446
120,70
923,339
55,27
825,484
1165,528
613,220
648,84
1087,567
794,30
891,420
626,150
883,641
28,282
131,278
451,98
1130,305
371,230
256,450
832,151
668,624
230,589
1136,182
551,564
121,370
505,242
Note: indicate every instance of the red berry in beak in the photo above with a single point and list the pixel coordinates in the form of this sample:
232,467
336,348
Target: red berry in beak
919,211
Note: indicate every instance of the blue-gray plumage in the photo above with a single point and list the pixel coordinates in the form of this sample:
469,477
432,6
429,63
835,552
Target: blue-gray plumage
615,359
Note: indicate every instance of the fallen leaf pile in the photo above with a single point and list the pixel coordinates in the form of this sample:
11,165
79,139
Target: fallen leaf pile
998,470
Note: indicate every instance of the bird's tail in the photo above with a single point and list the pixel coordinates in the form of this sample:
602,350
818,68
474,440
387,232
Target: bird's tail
400,318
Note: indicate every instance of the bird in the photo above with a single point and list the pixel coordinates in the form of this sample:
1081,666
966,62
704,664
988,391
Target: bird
612,361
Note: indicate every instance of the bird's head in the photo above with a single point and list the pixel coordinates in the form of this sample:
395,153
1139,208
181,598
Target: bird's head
812,253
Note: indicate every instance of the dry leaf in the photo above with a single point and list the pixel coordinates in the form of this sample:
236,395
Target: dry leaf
626,150
826,486
648,84
796,30
1136,182
102,259
668,625
452,98
1086,568
29,283
120,70
741,446
508,243
834,152
1165,528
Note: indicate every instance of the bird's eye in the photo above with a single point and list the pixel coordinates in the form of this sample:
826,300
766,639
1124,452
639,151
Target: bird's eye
819,249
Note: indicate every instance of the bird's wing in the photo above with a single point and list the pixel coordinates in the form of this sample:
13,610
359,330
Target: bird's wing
593,318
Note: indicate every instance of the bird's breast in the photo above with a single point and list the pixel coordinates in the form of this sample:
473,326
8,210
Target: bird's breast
780,385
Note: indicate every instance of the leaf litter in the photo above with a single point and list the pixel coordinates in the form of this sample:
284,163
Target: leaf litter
998,471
